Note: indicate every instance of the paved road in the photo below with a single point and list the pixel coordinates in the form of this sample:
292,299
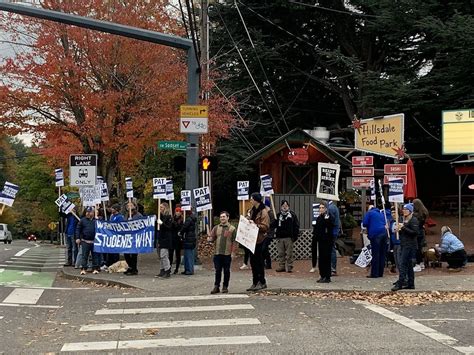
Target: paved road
71,317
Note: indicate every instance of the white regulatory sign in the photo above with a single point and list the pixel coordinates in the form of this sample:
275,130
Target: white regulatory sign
83,170
193,125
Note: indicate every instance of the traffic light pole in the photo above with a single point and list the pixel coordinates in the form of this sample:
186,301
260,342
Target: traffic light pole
192,155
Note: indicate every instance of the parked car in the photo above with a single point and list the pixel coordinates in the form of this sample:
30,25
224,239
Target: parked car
5,234
31,237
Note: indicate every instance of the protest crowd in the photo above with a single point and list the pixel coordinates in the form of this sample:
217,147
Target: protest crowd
392,237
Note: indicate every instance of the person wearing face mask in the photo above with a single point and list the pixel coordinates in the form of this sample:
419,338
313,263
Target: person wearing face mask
408,231
223,237
287,228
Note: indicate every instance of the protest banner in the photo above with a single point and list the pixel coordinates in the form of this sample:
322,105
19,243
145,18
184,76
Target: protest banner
202,195
328,181
170,194
364,258
315,213
129,189
128,237
91,196
59,177
7,195
247,233
266,189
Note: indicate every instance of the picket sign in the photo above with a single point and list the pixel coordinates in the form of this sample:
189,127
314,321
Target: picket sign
7,195
266,189
364,258
243,192
247,233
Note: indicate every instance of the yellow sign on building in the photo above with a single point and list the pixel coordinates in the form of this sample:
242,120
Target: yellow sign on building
458,131
382,136
193,111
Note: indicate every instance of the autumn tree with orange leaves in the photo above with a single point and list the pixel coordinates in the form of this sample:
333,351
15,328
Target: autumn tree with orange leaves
81,91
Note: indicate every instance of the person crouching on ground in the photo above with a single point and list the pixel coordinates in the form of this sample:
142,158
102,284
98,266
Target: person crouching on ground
258,216
452,250
223,235
323,234
85,234
408,231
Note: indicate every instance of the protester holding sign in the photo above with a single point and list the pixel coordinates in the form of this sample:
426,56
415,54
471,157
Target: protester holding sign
176,243
322,232
115,216
287,229
188,236
333,211
164,240
85,234
408,231
374,222
224,236
71,246
259,216
132,258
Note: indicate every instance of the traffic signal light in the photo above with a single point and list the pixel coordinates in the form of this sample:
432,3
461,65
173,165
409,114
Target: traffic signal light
208,163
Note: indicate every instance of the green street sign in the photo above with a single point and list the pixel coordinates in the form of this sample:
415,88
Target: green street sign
172,145
71,195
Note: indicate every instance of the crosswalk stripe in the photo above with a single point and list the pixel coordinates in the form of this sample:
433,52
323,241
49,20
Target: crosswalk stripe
230,307
24,296
14,266
20,262
172,342
37,258
171,324
21,252
175,298
28,305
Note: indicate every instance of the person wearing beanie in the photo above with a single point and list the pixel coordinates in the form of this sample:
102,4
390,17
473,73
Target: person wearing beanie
258,216
287,229
408,231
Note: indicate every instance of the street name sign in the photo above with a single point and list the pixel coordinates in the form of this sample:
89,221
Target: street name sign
363,171
172,145
395,169
361,182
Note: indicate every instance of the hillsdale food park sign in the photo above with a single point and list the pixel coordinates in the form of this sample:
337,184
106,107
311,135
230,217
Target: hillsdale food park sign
382,136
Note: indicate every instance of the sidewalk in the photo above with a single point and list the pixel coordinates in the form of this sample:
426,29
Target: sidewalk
352,279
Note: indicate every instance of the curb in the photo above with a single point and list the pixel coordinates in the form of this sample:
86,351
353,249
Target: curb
305,290
97,281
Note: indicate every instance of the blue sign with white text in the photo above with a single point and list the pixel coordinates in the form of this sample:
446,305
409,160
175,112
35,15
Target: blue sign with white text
129,237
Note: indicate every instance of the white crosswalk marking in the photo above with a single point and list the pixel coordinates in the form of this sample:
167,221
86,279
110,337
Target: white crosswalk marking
21,252
193,323
230,307
24,296
174,324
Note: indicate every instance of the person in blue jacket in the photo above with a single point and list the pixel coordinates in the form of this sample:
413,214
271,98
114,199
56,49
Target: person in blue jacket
374,221
333,211
452,250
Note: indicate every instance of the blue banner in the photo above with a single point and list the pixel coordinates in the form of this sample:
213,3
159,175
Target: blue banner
129,237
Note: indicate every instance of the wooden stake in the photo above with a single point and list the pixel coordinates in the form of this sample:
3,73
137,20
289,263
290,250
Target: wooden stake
105,210
1,209
273,205
130,208
171,207
159,213
75,215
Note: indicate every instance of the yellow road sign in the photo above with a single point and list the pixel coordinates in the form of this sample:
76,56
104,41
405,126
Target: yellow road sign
458,131
193,111
52,226
382,136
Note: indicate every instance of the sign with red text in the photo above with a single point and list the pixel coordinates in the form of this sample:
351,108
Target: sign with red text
361,182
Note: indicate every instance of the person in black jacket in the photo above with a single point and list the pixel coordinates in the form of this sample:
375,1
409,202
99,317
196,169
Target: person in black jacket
323,234
408,231
165,235
188,236
287,228
176,244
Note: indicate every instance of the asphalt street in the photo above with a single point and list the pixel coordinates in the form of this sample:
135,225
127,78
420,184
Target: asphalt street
74,317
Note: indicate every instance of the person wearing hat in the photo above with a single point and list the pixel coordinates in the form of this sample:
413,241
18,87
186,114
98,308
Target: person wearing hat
85,235
408,232
258,216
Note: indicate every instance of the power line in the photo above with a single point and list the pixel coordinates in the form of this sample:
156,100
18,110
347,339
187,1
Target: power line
248,70
261,66
351,13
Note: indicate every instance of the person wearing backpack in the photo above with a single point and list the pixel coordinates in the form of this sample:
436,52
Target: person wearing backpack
287,229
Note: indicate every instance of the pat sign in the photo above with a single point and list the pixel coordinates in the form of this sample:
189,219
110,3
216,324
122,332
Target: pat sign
383,136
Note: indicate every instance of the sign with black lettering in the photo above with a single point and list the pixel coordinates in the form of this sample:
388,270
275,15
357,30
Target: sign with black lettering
202,196
83,170
328,181
243,190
